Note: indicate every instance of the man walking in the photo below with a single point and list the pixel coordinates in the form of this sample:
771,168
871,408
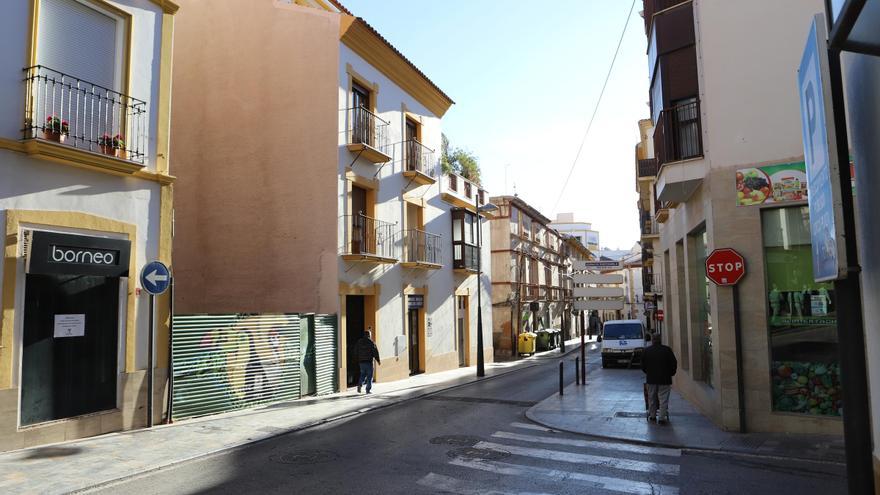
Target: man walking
659,364
366,351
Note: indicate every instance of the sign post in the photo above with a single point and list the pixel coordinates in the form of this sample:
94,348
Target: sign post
155,278
726,267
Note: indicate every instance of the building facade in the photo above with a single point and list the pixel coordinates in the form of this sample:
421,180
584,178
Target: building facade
347,213
651,214
531,287
86,200
731,174
582,231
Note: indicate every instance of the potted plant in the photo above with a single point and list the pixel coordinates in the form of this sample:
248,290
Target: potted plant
56,129
114,146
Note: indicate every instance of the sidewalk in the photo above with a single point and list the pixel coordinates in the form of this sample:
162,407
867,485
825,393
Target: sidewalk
612,405
81,464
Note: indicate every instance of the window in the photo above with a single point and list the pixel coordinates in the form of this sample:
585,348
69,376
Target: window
687,128
701,297
514,221
465,239
362,119
801,319
682,306
622,331
414,154
467,189
527,226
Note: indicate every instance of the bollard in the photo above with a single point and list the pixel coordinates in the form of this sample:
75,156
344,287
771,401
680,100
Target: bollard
577,371
560,378
583,363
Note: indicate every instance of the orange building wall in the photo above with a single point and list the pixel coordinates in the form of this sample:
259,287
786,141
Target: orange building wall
254,140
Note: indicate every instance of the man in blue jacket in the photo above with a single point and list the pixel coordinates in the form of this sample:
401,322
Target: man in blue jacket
659,365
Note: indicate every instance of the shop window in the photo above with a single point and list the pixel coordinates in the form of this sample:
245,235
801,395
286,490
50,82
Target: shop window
701,297
682,307
801,319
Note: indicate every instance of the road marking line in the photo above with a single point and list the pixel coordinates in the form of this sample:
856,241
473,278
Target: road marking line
527,426
449,484
560,476
610,462
621,447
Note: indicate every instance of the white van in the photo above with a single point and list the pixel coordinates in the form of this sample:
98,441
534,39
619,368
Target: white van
623,342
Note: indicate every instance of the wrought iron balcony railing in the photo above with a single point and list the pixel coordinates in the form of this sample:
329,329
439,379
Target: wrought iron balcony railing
83,115
365,127
369,237
678,134
422,247
419,158
647,167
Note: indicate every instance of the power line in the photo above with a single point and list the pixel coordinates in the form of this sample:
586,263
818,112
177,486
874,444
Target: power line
595,108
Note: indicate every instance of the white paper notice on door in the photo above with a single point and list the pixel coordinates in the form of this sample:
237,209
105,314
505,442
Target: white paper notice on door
70,325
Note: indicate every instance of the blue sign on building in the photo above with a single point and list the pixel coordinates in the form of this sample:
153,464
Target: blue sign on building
820,156
155,277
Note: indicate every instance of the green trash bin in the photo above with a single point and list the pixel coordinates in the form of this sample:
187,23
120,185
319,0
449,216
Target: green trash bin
542,341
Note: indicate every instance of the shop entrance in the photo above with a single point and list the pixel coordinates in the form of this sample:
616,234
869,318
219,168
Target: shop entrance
355,325
70,339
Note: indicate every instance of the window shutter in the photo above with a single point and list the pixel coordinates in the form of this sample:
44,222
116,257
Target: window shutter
80,41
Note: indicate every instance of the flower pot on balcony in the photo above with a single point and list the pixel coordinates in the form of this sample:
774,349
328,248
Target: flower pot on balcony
112,151
51,135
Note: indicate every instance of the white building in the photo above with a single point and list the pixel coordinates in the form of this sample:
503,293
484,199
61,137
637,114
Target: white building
85,200
582,231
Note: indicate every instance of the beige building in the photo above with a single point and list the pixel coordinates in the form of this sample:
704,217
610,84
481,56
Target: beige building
651,214
311,187
531,283
730,174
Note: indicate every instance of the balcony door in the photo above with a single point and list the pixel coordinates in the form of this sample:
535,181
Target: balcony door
362,120
412,147
358,220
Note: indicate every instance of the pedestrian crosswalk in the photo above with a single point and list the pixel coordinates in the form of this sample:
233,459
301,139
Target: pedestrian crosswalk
537,460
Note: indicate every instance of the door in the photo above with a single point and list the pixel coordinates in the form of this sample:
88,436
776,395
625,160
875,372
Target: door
73,372
415,350
354,330
461,314
307,346
358,220
362,119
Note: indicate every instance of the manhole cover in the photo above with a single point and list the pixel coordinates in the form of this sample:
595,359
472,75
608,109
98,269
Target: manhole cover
459,440
475,453
305,457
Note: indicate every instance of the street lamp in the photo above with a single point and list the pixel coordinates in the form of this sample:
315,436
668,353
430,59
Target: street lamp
486,208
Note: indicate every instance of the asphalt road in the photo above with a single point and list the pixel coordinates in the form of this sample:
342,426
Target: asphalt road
475,440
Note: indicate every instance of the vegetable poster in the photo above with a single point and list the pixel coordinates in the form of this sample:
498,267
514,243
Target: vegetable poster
771,184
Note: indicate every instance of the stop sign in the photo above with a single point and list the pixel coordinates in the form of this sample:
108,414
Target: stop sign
725,266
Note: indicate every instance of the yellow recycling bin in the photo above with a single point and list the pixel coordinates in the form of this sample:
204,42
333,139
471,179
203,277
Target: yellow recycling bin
526,343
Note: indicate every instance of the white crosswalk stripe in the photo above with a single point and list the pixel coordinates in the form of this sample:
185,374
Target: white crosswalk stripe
619,447
448,484
556,455
582,471
560,476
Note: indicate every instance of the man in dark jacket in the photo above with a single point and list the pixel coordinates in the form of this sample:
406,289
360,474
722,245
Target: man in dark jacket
366,351
659,364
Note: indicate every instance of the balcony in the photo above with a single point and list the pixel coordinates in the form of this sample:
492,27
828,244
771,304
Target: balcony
647,168
652,284
369,240
530,292
651,7
661,211
422,250
419,163
464,257
74,120
648,227
678,145
367,135
462,193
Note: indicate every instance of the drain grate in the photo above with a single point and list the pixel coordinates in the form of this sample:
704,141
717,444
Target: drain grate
305,457
457,440
478,454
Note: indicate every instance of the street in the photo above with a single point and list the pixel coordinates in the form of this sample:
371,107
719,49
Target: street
475,439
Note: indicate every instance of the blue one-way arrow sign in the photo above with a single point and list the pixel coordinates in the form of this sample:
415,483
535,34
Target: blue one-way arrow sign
155,277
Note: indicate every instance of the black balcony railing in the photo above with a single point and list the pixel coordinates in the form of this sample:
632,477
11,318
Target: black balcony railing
678,135
367,236
422,247
651,283
365,127
647,167
464,256
83,115
419,158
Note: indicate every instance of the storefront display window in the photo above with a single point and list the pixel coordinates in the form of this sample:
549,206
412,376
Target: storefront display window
701,245
802,319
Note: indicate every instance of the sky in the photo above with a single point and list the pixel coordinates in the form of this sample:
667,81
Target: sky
525,78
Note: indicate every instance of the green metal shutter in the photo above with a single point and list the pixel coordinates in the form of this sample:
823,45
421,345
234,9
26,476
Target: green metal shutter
326,351
227,362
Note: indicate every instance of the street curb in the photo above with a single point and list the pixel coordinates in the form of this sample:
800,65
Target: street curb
323,421
683,448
